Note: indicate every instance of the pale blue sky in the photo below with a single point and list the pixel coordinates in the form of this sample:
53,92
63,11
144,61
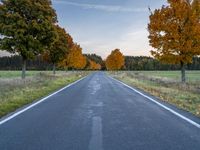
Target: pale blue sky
100,26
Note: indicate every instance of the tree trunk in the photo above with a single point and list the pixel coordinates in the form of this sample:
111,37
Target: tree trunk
54,68
23,68
183,79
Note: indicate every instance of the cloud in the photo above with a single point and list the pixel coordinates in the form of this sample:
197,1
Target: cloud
132,42
135,42
107,8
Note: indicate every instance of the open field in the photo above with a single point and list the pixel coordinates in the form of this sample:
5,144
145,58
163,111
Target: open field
167,86
15,92
191,76
13,74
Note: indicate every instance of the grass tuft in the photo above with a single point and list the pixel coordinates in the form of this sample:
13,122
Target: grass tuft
167,87
15,93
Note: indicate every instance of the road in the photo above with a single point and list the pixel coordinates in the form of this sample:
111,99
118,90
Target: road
98,113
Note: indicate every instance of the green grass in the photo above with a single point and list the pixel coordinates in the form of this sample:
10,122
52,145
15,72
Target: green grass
167,86
15,93
12,74
191,76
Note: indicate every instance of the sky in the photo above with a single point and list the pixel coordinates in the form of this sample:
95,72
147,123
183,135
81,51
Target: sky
100,26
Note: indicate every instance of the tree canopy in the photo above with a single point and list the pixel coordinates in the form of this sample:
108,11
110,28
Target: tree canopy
56,52
95,58
92,65
27,27
174,32
115,61
74,59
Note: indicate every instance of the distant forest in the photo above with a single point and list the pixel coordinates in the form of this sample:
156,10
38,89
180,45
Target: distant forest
131,63
149,63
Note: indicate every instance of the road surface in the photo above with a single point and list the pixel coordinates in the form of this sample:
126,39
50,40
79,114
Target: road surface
98,113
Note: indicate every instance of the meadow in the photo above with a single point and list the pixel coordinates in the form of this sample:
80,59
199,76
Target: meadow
15,92
167,86
191,76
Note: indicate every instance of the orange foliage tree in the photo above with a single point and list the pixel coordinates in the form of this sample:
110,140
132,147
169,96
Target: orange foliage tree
93,65
59,48
174,32
74,59
115,61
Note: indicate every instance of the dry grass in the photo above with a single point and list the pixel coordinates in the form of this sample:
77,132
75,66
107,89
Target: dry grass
185,96
15,92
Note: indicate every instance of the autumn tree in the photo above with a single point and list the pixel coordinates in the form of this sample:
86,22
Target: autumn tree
74,59
97,59
174,32
92,65
26,27
94,58
115,61
56,52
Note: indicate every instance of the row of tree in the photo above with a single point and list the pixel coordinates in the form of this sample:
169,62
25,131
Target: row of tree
116,61
149,63
130,63
29,28
14,63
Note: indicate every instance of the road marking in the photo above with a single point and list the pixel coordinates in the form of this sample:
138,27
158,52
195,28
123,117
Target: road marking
96,140
38,102
161,105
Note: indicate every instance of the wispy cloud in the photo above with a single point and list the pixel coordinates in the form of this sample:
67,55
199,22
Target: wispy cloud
131,42
108,8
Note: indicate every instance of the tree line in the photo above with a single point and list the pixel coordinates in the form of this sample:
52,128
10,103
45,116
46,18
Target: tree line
29,28
14,63
130,63
149,63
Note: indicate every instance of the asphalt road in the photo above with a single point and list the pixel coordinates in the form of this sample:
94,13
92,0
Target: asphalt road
98,113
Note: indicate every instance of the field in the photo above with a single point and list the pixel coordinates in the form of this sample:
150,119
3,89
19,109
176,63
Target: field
167,86
192,76
15,92
15,74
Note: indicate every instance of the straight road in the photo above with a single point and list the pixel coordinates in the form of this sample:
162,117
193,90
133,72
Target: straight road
98,113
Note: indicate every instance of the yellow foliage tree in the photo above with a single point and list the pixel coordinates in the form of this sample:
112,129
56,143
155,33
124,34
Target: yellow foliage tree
93,65
174,32
74,59
115,61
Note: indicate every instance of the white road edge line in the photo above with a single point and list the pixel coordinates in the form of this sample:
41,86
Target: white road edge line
38,102
161,105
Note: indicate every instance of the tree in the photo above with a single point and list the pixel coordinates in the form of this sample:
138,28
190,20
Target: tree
94,58
174,32
26,27
57,51
92,65
74,59
115,61
99,63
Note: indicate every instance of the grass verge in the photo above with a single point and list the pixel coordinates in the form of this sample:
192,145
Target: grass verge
15,93
184,96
